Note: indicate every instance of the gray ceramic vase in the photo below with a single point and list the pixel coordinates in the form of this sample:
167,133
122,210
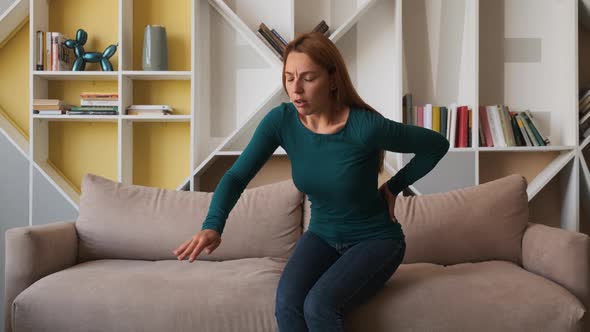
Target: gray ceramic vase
155,48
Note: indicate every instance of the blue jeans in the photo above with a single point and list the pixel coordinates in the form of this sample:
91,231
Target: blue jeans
323,281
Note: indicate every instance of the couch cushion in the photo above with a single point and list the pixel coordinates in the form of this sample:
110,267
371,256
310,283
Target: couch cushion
479,223
127,295
238,295
137,222
487,296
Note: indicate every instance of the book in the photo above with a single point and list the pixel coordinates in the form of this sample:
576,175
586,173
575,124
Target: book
436,118
150,107
50,107
469,126
499,131
47,50
484,125
407,106
321,27
98,102
54,51
274,32
528,130
274,41
40,48
50,112
518,140
443,120
504,125
523,133
273,38
64,54
420,116
463,119
453,127
428,116
95,95
92,113
47,102
94,109
148,112
267,43
536,129
448,133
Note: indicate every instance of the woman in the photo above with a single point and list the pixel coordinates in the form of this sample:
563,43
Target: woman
336,144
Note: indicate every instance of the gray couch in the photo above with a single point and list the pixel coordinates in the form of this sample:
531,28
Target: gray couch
473,263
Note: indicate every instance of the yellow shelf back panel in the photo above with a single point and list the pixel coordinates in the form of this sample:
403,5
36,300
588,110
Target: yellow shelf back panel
14,80
161,153
77,148
98,18
174,93
176,17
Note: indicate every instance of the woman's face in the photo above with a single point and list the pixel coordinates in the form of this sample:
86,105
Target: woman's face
308,84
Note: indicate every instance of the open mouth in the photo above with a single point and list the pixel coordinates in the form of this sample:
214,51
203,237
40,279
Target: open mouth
300,102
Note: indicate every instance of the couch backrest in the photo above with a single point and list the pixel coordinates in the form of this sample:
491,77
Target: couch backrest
119,221
478,223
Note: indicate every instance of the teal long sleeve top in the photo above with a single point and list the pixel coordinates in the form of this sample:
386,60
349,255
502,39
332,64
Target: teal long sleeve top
337,171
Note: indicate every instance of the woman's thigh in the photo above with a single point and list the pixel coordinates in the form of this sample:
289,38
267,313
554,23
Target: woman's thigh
358,274
310,259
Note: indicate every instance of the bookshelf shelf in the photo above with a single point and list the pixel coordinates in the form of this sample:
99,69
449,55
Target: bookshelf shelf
526,148
159,118
79,118
158,75
462,149
279,151
76,75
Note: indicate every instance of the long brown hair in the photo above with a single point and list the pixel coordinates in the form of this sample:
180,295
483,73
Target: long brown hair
324,53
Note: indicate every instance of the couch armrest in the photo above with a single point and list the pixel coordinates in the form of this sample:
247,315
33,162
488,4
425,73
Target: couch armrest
34,252
559,255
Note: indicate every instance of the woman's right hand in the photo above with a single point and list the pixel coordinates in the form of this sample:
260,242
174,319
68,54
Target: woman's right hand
207,239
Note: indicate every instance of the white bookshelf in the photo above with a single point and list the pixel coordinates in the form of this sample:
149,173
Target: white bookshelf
464,51
498,52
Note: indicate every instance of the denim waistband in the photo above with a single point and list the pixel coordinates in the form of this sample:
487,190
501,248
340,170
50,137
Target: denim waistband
341,247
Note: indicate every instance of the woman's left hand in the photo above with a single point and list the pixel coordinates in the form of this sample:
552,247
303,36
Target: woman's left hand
390,197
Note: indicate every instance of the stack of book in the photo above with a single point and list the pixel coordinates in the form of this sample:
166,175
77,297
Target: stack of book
277,43
50,107
97,103
453,121
498,126
322,27
272,39
584,112
501,127
149,110
50,52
